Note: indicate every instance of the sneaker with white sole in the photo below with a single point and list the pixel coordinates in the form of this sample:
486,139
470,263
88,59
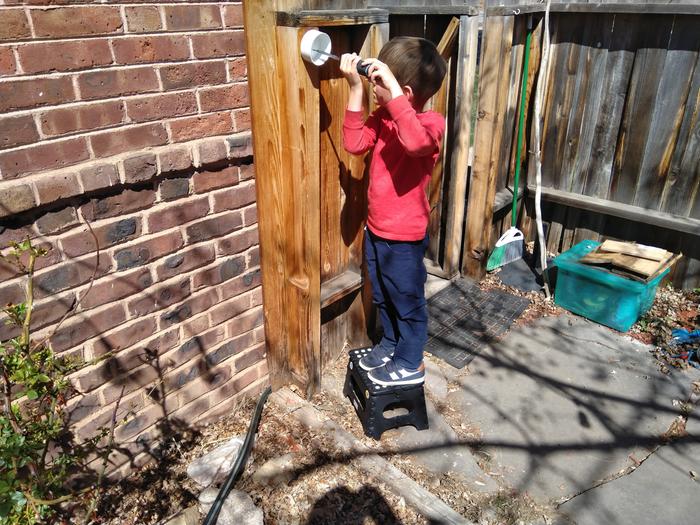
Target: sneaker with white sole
392,374
378,356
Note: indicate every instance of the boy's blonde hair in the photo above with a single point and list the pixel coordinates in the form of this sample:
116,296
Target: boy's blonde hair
415,62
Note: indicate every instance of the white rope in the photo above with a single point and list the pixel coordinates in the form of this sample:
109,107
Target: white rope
539,97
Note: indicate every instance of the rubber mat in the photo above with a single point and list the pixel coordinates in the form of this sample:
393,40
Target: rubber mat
462,318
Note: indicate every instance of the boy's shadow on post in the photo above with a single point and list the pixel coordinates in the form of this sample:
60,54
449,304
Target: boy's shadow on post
347,507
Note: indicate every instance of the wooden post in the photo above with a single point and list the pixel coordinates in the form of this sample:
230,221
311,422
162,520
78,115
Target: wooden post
466,75
493,90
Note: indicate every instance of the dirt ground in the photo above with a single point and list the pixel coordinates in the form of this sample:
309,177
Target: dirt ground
325,491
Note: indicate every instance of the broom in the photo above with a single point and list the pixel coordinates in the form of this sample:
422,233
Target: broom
509,247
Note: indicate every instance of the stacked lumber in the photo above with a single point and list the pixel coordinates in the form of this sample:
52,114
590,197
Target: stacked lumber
636,261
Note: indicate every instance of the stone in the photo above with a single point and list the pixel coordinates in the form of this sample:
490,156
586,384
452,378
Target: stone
238,508
189,516
277,471
214,466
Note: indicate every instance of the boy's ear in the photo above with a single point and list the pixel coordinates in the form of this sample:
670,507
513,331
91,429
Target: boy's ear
408,91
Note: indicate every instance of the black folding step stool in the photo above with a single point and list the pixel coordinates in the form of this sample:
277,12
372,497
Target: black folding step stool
372,400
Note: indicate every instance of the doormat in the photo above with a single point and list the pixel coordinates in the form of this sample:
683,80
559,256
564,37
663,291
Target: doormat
462,318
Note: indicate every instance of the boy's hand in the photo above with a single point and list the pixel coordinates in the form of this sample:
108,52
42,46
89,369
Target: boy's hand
348,67
380,74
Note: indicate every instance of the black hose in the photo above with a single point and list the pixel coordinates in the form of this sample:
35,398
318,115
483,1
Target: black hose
213,514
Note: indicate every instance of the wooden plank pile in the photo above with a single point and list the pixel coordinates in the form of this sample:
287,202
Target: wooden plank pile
635,261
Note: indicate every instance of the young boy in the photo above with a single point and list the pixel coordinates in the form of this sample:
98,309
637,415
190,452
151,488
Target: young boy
406,144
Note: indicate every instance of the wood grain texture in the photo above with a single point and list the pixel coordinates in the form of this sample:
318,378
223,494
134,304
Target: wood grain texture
300,153
331,18
668,113
265,111
497,42
642,97
464,104
615,79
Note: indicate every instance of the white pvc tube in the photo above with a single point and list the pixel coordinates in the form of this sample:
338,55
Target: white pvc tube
312,42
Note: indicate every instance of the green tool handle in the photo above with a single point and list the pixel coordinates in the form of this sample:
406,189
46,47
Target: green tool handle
521,118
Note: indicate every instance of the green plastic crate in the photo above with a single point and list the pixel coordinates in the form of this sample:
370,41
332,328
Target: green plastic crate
603,297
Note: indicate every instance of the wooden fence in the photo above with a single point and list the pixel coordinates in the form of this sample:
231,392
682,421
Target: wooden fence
620,129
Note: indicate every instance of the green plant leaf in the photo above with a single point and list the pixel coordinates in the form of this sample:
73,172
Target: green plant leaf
32,394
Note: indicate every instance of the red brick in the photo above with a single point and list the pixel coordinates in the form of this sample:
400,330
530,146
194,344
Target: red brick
233,15
238,242
238,69
254,257
247,171
250,216
80,118
241,119
109,234
15,199
160,106
15,25
213,227
234,198
241,284
211,152
142,19
14,233
175,188
174,159
138,423
200,302
177,214
80,328
205,181
158,298
250,320
244,379
240,145
43,57
223,97
256,297
41,157
121,204
67,275
58,221
17,131
184,17
190,128
76,21
124,337
193,75
57,186
249,358
196,346
229,309
11,294
114,83
191,411
185,261
139,168
7,61
200,323
145,49
219,44
21,94
115,287
202,386
147,251
225,270
128,139
99,176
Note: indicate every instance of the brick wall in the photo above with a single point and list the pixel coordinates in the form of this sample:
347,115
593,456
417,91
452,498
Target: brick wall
133,117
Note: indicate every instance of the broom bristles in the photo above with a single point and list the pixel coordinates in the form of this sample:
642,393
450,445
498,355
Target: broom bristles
507,252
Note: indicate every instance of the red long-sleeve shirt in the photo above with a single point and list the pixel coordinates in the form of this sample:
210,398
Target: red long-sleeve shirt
406,147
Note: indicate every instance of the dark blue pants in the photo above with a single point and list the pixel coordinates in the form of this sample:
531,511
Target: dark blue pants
397,273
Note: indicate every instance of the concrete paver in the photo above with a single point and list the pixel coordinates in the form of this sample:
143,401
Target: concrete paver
565,402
